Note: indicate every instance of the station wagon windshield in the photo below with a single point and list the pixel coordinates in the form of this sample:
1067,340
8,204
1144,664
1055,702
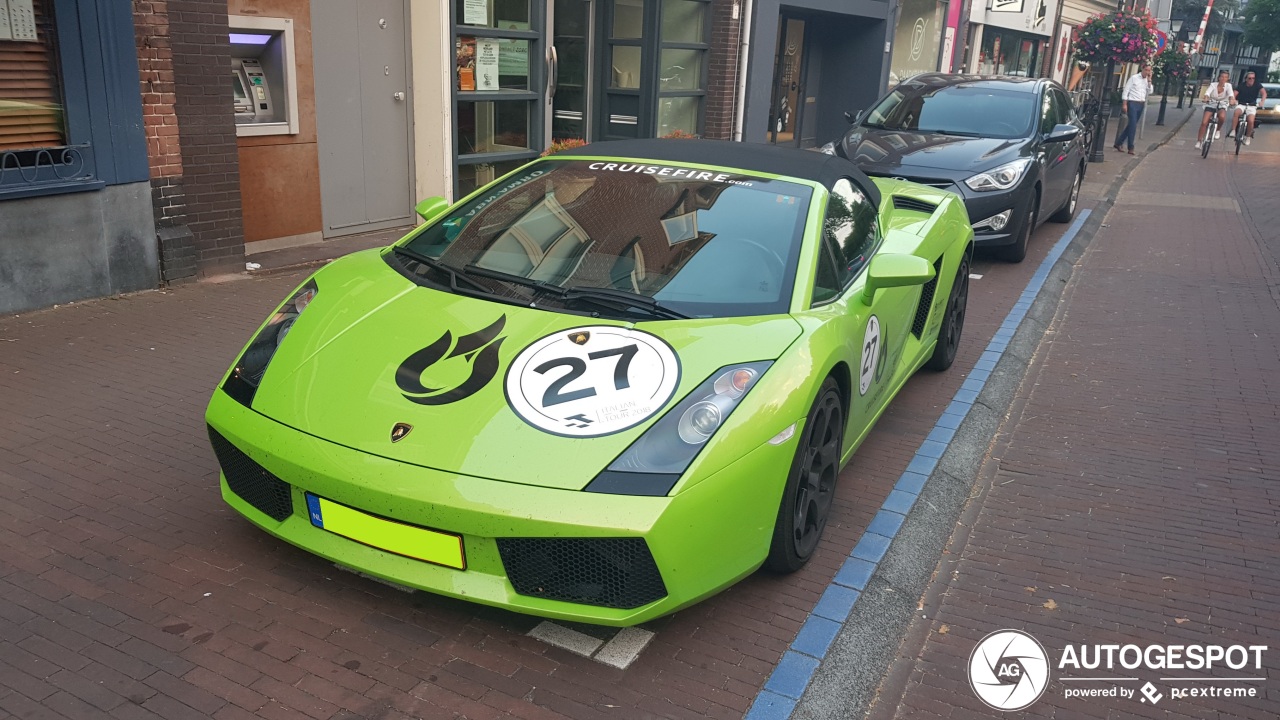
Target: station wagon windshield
620,238
972,110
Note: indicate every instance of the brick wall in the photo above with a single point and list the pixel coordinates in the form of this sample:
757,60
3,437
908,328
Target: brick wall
722,76
201,100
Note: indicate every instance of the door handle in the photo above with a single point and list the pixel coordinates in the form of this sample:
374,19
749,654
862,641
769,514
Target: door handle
398,96
553,70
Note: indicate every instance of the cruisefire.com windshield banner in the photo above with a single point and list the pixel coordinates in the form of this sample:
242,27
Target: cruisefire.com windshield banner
1011,670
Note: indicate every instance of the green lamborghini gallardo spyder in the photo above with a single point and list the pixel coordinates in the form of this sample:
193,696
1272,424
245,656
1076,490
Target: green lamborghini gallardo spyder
601,388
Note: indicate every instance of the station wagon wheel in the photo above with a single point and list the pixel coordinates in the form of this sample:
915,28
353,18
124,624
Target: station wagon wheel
810,488
944,353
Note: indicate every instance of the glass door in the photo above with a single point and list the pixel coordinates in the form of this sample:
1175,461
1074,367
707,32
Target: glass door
570,94
788,83
498,86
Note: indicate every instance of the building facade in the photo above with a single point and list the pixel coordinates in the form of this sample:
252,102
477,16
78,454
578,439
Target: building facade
161,141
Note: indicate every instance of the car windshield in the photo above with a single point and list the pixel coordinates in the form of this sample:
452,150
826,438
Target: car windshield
968,109
623,237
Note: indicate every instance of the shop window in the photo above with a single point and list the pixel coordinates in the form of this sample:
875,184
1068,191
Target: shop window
31,113
70,111
682,59
493,13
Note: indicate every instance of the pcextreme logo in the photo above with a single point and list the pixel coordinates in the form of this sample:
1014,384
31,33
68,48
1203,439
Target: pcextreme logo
1009,670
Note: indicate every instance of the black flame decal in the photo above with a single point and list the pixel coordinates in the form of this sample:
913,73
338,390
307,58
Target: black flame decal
479,348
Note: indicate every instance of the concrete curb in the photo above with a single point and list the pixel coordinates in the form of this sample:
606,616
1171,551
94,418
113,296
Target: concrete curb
858,667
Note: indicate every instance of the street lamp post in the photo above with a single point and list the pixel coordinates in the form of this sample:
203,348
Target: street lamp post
1104,111
1164,99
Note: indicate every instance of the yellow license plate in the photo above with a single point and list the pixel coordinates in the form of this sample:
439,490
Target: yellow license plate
395,537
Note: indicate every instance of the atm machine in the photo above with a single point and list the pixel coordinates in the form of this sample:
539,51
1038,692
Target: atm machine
263,76
252,94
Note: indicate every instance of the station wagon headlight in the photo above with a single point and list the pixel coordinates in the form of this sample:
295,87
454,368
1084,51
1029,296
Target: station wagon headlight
245,377
657,459
999,178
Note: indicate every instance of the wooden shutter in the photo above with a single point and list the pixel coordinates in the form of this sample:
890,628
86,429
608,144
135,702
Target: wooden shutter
30,99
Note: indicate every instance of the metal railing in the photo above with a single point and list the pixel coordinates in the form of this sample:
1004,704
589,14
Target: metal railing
26,168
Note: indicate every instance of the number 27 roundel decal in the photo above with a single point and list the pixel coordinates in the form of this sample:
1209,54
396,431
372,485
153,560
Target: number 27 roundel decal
592,381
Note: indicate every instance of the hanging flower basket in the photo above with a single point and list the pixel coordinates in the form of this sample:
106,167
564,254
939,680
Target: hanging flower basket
1125,37
1172,62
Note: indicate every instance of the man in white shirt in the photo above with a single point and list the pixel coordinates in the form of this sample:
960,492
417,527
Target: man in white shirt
1132,102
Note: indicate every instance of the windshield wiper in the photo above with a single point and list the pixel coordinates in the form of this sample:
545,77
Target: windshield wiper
537,285
624,299
616,299
453,273
957,133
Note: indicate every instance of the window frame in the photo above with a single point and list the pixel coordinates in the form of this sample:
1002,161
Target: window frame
102,105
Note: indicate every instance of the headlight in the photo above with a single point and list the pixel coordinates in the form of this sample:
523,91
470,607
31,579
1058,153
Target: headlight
1000,178
244,379
657,459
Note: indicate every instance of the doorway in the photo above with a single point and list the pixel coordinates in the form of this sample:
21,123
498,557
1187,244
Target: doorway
362,115
572,45
786,108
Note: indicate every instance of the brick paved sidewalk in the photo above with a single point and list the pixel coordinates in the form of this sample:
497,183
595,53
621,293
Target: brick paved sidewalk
1132,494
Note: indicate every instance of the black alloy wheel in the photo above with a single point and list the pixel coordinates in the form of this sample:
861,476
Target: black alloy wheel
811,485
944,353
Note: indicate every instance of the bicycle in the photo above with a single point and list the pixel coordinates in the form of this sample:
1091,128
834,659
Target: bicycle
1242,127
1211,131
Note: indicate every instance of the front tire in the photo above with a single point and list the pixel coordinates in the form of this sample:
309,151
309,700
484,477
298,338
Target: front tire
1067,212
811,485
944,352
1208,140
1017,252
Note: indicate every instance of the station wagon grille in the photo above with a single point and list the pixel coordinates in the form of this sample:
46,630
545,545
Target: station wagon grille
250,481
608,572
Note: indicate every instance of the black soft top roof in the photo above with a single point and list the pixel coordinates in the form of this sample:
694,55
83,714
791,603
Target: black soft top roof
756,157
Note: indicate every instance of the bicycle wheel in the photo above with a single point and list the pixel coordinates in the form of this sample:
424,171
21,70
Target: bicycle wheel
1240,130
1208,139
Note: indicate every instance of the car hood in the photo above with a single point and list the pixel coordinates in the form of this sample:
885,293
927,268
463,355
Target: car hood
893,152
370,333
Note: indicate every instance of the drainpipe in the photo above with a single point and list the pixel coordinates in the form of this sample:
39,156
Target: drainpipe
744,46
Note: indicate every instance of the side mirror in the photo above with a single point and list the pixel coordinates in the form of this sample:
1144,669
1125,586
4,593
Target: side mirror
895,270
852,116
430,208
1062,133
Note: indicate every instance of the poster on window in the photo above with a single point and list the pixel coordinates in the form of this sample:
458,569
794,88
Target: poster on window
475,12
917,40
487,62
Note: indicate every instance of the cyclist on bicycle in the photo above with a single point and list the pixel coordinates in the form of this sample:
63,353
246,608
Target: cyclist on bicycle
1250,96
1216,99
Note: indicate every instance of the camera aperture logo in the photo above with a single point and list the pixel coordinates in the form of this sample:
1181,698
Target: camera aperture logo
1009,670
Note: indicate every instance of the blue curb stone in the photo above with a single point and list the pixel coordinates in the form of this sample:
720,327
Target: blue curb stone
771,706
792,675
871,547
886,523
855,573
816,636
836,603
911,483
899,502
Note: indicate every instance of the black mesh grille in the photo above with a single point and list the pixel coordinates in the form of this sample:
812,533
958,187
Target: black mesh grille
901,202
941,183
609,572
251,481
926,301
